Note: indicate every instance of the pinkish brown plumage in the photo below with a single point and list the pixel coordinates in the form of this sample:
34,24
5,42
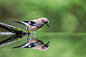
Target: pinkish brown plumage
41,22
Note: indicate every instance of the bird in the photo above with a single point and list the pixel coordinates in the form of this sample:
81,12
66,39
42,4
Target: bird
34,24
34,43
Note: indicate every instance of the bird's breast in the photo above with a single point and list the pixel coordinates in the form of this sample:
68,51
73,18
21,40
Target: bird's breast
33,28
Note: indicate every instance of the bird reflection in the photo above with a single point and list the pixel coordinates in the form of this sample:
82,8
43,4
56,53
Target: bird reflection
34,43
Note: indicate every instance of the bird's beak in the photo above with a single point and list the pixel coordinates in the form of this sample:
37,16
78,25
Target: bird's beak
47,25
47,43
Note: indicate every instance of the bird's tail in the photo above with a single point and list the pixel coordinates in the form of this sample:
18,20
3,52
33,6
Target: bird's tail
16,47
17,21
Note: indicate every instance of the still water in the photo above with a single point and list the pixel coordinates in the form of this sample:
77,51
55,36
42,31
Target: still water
62,44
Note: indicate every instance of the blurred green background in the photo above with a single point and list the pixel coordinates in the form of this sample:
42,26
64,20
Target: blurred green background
66,32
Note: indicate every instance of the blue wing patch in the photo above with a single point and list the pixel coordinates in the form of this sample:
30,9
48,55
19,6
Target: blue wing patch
35,44
35,24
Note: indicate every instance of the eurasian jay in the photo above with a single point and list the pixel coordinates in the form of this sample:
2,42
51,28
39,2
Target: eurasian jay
38,24
34,43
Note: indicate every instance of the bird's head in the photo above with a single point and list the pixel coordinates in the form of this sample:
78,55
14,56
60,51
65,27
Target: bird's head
46,21
45,47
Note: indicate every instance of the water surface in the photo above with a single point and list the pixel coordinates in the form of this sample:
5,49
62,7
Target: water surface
63,44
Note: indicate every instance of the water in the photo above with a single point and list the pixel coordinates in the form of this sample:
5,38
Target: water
63,44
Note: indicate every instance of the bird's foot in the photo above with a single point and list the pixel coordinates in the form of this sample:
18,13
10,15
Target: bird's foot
35,35
30,33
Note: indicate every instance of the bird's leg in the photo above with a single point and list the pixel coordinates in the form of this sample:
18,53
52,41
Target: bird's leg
28,31
28,34
34,34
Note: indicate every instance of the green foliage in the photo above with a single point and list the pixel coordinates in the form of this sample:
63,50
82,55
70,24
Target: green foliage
68,15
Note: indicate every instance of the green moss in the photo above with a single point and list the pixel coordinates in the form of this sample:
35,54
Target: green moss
17,39
18,29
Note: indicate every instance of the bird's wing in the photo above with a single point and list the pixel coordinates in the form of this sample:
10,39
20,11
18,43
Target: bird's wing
31,45
27,21
33,23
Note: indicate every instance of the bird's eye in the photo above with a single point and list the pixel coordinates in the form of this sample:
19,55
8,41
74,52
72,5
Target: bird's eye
45,45
46,22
